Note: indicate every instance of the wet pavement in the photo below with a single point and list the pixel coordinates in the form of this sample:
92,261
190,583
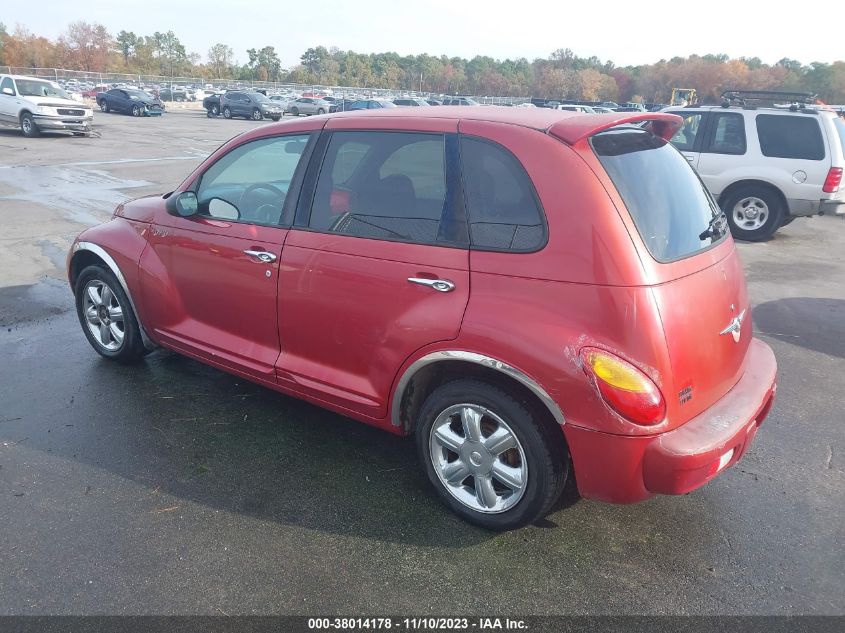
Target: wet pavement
170,487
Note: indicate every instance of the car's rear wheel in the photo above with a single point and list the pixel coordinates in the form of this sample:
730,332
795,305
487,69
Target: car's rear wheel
294,111
256,115
227,113
104,106
106,316
28,126
754,213
493,460
136,110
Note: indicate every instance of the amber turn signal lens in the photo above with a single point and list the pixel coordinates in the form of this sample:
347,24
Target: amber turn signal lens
626,389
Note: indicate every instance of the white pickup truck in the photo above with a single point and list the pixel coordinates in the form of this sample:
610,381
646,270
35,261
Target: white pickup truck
35,105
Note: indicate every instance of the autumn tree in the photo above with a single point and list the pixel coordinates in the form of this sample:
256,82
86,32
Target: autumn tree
86,46
221,58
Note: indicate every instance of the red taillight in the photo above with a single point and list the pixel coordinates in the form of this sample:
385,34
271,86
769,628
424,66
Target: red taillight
627,390
833,180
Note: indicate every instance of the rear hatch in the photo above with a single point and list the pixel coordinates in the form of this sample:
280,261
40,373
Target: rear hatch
699,285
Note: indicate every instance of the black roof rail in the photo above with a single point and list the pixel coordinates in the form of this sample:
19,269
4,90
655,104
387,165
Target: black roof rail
753,98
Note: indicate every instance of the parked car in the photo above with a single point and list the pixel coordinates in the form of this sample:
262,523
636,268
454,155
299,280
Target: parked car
308,105
766,166
433,102
173,94
341,105
249,105
211,103
440,277
371,104
129,101
576,108
34,105
460,101
413,102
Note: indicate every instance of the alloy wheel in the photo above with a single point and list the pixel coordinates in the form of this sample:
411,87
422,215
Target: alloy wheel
750,213
478,458
103,315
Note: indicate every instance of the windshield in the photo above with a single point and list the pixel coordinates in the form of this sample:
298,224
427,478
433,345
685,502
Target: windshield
674,213
260,98
36,88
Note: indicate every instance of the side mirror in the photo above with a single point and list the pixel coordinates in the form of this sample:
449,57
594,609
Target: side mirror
8,91
183,205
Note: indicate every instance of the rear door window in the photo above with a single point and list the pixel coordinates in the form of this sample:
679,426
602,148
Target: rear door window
727,134
673,211
384,185
502,206
785,136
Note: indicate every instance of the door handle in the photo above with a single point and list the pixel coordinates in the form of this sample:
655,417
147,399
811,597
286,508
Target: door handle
263,256
690,159
440,285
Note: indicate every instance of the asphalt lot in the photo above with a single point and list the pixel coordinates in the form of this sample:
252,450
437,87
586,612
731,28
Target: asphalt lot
172,488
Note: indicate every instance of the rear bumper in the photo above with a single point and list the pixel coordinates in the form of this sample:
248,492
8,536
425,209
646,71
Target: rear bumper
622,469
806,208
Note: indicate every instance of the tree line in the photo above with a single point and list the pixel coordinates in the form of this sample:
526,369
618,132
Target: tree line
91,47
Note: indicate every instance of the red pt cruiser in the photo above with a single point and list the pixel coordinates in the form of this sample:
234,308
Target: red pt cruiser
526,292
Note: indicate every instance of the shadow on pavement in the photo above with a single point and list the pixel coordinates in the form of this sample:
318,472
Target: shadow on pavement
815,324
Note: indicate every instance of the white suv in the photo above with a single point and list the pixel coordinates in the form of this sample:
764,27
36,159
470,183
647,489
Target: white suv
34,105
765,165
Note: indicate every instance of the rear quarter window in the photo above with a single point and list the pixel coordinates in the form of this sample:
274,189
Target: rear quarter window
784,136
666,199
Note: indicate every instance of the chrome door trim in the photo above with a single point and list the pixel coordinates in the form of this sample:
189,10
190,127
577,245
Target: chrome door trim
109,261
478,359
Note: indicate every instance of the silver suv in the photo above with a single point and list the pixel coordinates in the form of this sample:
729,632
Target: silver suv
767,158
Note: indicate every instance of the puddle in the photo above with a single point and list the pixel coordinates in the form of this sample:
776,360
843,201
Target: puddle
82,194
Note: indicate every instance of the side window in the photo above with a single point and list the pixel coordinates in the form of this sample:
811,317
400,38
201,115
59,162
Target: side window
251,181
383,185
727,134
684,138
7,83
785,136
502,206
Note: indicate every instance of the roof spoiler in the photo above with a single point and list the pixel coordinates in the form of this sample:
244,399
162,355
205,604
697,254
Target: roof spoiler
580,126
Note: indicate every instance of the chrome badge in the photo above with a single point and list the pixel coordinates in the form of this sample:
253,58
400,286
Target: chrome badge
735,326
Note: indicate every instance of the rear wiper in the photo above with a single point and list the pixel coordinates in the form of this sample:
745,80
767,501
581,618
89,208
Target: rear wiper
716,228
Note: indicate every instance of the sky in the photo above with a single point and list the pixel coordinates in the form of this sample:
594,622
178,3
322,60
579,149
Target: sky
626,32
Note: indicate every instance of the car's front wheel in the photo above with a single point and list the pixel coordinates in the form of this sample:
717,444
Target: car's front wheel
106,316
215,110
136,110
28,126
492,459
321,111
294,111
754,213
104,106
256,115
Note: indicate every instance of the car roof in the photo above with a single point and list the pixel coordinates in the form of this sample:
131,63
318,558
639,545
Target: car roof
810,111
566,125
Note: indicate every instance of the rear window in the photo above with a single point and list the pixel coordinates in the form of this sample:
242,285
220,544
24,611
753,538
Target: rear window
783,136
675,215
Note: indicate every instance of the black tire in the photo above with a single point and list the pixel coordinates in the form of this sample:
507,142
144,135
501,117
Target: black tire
131,349
215,110
104,106
321,111
751,198
227,113
28,126
294,111
136,110
546,456
788,220
257,115
276,118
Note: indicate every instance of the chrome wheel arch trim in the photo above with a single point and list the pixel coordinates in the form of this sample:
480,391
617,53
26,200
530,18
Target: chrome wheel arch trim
478,359
115,269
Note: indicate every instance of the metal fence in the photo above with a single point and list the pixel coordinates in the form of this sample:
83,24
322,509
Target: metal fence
158,82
